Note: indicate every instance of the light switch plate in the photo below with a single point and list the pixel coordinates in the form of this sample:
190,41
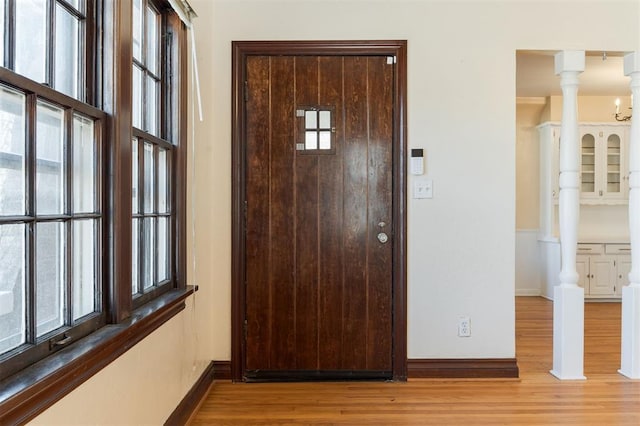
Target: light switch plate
423,188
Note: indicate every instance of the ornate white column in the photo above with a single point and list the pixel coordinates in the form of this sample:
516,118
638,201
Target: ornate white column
568,297
630,356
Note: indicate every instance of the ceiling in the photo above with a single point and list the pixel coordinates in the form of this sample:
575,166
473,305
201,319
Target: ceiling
535,75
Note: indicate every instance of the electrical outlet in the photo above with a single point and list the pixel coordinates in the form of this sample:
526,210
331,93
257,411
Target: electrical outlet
464,327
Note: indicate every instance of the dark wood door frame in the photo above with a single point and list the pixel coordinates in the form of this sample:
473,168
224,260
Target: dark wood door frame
240,51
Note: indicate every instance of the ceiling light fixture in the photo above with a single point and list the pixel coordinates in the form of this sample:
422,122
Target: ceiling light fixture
617,115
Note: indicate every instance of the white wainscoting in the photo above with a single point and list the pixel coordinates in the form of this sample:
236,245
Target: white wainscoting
527,263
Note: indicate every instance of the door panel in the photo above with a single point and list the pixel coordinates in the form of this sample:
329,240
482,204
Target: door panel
318,280
281,214
604,273
331,223
354,231
380,183
582,267
306,169
258,251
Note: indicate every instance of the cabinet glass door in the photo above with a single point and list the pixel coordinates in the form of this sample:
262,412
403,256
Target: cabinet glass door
614,173
588,164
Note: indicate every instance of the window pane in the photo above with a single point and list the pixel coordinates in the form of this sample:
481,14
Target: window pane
12,143
152,40
149,255
163,184
163,244
49,160
67,59
311,140
50,276
84,161
30,39
325,119
148,178
12,287
152,106
84,267
137,29
136,98
325,140
310,120
135,256
135,177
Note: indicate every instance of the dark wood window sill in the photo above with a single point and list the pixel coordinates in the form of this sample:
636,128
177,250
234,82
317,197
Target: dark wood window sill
29,392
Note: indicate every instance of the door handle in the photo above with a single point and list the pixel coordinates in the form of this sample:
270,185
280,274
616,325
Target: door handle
383,238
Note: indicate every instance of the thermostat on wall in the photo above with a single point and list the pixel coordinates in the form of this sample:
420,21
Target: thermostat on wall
417,161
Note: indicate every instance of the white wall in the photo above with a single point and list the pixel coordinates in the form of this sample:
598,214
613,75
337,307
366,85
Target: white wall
461,109
528,268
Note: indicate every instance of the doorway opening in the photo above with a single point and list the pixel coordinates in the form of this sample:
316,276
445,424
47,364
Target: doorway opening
603,233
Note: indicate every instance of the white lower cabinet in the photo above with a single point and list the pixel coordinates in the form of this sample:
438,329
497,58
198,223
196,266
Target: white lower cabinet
603,269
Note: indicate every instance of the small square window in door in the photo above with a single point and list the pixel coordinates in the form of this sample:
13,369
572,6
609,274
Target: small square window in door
316,130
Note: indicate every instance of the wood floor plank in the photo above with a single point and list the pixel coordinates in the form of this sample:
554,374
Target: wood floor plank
537,398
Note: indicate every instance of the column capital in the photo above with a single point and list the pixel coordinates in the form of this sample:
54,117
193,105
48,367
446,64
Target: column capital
631,63
569,60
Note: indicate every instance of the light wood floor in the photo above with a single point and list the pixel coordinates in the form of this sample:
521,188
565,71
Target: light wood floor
537,398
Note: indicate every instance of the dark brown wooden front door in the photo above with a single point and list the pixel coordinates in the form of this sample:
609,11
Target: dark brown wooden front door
318,218
319,223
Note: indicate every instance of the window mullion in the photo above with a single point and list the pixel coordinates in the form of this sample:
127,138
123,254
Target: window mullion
30,229
100,264
166,70
171,217
69,208
50,43
141,195
84,58
95,63
143,58
68,276
9,33
156,192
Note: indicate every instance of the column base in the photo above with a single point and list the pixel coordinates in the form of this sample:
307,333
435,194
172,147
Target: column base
568,333
630,355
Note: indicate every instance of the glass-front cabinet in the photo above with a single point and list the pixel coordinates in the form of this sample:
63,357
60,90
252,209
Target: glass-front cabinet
614,171
588,167
603,174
